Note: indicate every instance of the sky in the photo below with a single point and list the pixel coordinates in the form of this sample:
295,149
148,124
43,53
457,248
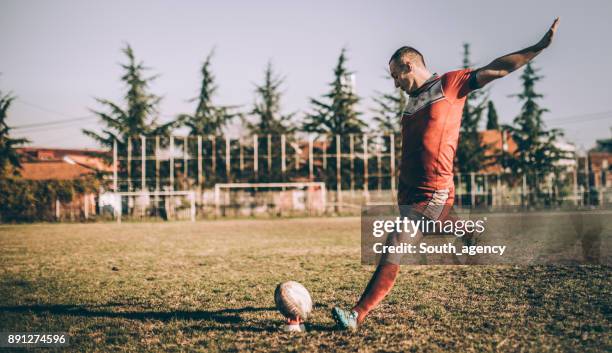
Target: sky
58,56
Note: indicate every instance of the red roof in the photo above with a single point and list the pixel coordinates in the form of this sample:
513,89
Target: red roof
56,170
60,163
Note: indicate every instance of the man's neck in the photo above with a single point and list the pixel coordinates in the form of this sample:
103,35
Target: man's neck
422,77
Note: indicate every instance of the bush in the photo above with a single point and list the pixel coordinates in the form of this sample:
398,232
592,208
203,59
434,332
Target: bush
34,200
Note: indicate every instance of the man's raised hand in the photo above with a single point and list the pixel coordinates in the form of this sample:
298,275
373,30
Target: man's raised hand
548,37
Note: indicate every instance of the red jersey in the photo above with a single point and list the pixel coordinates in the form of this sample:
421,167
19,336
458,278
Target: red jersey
430,133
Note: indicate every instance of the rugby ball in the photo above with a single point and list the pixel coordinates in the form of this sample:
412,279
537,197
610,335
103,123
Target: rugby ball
293,300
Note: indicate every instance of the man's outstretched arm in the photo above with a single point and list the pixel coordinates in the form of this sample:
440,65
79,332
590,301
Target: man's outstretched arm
504,65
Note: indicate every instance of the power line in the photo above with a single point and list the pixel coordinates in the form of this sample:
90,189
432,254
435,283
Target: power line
39,107
580,120
50,128
54,122
49,123
582,117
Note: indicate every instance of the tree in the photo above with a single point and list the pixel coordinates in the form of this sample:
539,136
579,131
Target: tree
603,145
267,107
492,121
208,118
138,117
389,110
338,115
388,117
536,146
471,151
269,126
125,125
9,159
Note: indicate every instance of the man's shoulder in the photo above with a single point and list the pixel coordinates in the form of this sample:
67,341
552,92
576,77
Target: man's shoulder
457,82
456,73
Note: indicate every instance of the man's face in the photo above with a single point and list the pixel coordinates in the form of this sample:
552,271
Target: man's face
402,76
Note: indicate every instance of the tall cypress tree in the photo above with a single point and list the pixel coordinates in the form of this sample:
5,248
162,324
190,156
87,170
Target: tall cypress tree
9,159
126,122
208,118
492,120
267,107
536,156
471,151
270,123
139,114
336,114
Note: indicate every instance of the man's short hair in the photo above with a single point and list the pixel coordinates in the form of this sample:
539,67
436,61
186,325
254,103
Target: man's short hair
413,55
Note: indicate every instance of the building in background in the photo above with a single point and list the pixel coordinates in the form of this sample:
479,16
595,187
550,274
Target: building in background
61,164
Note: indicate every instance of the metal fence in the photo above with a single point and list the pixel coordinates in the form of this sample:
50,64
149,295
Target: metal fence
357,169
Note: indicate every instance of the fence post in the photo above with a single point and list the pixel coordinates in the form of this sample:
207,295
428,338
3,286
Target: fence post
310,158
283,155
392,147
157,166
143,163
269,154
365,168
213,155
115,166
129,163
57,210
185,159
86,206
200,162
352,162
523,190
228,159
338,172
325,154
472,190
241,157
458,193
486,186
255,156
171,162
379,164
499,193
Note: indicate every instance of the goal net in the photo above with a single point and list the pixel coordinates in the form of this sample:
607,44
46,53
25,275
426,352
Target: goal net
279,199
166,205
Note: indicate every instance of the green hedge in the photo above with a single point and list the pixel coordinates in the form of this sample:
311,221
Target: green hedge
34,200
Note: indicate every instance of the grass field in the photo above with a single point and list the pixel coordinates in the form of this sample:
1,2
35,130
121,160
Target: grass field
208,286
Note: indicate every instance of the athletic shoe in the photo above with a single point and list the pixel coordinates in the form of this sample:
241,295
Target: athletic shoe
346,320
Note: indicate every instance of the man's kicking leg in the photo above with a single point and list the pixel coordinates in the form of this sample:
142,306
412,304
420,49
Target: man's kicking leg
380,284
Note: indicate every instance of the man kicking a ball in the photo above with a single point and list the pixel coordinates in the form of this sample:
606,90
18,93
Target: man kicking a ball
430,132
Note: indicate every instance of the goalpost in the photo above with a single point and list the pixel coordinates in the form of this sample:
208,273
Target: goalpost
140,204
280,198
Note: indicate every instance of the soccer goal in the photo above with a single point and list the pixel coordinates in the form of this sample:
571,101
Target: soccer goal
248,199
176,205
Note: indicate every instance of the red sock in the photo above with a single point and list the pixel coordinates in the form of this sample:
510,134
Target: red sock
377,289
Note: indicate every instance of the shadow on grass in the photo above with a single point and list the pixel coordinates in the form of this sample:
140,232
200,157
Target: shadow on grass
223,319
224,316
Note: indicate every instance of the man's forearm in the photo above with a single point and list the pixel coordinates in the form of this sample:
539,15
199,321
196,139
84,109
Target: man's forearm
513,61
504,65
